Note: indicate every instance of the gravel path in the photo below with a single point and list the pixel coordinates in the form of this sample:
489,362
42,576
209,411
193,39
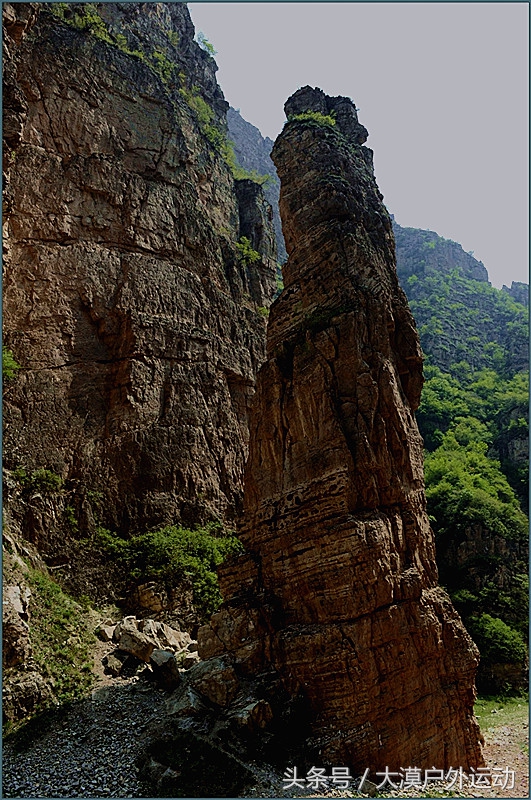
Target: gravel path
90,752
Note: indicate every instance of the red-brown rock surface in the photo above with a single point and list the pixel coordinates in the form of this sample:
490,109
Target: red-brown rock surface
337,591
126,301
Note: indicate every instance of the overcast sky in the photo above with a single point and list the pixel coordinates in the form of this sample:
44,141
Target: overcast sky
442,89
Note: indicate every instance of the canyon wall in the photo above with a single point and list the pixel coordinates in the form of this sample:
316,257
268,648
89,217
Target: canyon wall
337,592
132,312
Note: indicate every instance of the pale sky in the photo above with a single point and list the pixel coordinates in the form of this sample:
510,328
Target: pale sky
442,89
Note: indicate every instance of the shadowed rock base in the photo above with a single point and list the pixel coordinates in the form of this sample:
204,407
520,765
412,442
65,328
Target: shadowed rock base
337,593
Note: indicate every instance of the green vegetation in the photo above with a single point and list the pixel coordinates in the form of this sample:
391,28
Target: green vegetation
86,20
205,45
9,365
498,643
463,320
473,417
314,117
493,712
238,172
246,253
60,637
173,38
465,487
43,481
175,555
162,65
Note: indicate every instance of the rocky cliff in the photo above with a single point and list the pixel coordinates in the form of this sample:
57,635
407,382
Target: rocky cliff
253,152
337,593
127,302
457,321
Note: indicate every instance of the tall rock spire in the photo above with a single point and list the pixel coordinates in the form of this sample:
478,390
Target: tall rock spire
337,592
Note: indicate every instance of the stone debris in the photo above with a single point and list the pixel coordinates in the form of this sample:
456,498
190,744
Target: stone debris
165,669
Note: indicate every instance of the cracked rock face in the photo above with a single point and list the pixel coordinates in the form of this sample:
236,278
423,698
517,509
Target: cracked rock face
337,592
125,299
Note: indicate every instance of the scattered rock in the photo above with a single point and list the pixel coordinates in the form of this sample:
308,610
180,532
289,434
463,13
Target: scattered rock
127,623
105,632
165,669
184,702
254,716
216,680
113,664
191,659
137,644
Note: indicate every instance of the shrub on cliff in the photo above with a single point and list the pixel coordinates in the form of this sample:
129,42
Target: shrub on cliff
9,365
174,555
314,117
246,253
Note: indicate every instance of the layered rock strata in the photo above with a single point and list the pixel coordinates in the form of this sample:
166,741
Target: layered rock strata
337,592
127,304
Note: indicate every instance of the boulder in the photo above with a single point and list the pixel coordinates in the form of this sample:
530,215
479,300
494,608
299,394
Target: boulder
105,632
216,680
190,660
165,669
16,645
113,664
136,643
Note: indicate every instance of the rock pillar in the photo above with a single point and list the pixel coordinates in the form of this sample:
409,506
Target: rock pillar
337,592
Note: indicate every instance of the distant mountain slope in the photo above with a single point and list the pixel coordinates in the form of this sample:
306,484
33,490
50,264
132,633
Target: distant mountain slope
252,151
460,316
420,252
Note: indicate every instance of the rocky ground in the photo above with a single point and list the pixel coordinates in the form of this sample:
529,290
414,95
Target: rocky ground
90,749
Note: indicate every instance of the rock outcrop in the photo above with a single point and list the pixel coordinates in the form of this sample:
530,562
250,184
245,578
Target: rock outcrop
518,291
134,318
337,592
253,152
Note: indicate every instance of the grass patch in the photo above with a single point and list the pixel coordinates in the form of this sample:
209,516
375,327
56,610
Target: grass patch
60,638
326,120
493,712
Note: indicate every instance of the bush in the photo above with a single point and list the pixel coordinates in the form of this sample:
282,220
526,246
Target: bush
497,642
246,253
175,555
205,45
314,116
43,481
9,365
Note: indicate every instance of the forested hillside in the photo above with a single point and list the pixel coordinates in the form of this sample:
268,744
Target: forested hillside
474,420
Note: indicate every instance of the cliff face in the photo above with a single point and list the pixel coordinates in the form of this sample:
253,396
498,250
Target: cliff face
126,301
337,593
